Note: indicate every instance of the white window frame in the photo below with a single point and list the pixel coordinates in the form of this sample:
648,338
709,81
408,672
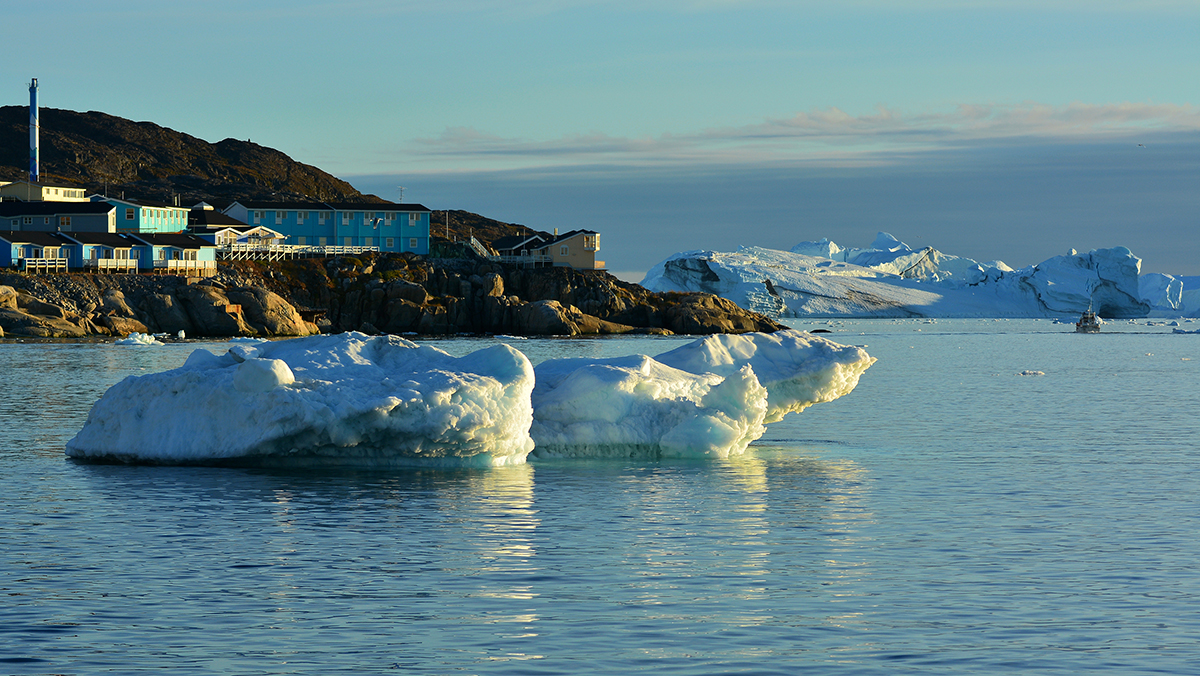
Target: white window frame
412,242
390,242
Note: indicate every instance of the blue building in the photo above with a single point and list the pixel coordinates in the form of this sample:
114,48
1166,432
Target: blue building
101,252
54,216
386,226
175,253
143,216
33,250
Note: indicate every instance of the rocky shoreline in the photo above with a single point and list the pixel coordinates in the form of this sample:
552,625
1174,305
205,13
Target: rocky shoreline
377,293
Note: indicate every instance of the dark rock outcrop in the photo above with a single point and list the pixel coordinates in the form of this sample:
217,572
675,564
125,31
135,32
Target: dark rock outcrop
408,294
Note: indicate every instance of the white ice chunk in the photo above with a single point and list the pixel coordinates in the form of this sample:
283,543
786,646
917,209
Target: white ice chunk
136,338
797,368
710,397
636,406
342,400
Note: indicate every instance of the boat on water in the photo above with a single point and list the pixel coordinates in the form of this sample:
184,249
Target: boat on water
1089,322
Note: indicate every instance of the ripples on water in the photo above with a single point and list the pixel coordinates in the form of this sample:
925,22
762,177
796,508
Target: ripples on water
947,517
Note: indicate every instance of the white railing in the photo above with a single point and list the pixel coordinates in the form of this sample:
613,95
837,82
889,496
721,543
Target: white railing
523,260
279,251
43,264
184,265
111,263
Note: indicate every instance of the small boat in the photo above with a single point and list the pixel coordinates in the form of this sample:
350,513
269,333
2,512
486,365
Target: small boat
1088,322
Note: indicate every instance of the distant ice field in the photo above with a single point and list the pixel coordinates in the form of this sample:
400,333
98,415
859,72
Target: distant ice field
949,516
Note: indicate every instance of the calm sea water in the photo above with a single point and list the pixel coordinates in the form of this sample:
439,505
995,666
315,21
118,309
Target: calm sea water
950,516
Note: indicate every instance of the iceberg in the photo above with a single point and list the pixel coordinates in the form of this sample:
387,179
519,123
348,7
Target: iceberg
709,398
890,279
358,401
342,400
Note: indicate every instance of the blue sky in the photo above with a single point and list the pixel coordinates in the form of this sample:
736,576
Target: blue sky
988,129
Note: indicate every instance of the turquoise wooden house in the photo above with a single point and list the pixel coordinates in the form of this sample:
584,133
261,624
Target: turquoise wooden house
34,251
101,252
175,253
149,217
383,226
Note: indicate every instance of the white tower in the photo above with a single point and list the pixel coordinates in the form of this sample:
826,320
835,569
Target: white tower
34,150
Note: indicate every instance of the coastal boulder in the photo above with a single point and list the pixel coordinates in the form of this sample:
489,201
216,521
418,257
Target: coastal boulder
8,298
112,302
269,313
406,290
168,313
122,326
19,323
208,308
704,314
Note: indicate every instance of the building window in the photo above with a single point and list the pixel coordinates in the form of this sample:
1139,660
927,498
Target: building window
64,221
321,218
129,214
563,250
321,241
301,240
413,219
345,219
347,241
389,218
301,216
368,241
136,254
390,242
412,242
29,220
257,217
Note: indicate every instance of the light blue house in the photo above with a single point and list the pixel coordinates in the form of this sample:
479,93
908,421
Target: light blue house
143,216
175,253
386,226
34,250
101,252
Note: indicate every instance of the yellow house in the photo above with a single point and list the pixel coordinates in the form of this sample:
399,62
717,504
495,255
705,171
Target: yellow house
38,192
576,249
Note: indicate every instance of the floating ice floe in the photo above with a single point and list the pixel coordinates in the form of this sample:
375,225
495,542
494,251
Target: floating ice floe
355,400
346,400
136,338
710,398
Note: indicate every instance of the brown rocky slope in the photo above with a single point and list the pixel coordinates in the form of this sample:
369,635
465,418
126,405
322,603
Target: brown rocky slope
377,293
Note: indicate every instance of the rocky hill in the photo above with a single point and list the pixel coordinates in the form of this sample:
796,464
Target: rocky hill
142,160
377,293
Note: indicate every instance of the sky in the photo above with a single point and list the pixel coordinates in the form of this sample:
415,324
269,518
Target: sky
1009,130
